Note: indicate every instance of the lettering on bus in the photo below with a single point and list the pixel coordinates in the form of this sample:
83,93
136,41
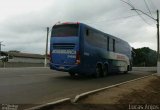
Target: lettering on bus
120,57
64,51
71,56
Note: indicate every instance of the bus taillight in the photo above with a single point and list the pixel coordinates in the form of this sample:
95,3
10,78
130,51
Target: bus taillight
71,23
78,57
49,57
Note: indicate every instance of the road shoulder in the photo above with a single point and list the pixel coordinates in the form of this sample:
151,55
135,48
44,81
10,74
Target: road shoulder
143,93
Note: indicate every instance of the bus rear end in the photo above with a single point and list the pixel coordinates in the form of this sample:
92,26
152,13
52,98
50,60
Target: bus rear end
64,47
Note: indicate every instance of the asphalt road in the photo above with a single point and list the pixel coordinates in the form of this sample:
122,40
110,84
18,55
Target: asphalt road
42,85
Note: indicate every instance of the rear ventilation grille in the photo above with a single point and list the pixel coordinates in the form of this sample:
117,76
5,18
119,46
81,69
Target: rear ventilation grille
63,46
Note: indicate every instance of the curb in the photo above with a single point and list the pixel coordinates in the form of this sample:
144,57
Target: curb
47,105
80,96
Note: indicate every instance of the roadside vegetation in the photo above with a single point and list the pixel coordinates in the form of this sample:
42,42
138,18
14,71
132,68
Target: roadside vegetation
144,57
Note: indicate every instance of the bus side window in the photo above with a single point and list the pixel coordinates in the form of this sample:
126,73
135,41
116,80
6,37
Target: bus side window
113,45
107,43
87,32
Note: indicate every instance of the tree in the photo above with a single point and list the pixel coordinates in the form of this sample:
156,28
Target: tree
145,57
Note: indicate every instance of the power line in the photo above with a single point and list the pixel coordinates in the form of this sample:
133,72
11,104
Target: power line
135,10
107,20
153,5
50,28
147,7
138,13
118,18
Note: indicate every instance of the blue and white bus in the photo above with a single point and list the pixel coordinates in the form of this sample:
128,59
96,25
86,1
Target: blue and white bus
77,48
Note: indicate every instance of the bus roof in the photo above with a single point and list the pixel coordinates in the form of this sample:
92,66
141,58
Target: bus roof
105,33
67,23
91,28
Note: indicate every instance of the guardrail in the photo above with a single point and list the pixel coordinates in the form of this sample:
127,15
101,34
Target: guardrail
149,69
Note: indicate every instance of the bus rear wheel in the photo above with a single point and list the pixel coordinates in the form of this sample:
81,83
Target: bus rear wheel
72,74
105,70
99,71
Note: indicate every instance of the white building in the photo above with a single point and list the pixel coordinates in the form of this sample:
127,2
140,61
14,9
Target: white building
16,59
25,57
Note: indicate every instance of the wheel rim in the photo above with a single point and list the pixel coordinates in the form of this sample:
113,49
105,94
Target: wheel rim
105,71
98,71
72,74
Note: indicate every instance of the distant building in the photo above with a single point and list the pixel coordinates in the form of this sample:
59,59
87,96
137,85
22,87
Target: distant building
16,59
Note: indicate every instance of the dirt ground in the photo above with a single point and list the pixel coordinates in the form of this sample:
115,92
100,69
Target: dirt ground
142,94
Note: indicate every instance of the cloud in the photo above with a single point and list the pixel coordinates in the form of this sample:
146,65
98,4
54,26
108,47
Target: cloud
25,30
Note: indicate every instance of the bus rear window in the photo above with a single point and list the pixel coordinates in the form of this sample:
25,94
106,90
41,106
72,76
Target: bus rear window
65,30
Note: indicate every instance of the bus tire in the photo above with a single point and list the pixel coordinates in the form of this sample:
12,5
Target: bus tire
105,70
99,71
125,72
72,74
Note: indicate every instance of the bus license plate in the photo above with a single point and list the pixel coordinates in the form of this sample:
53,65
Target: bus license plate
61,67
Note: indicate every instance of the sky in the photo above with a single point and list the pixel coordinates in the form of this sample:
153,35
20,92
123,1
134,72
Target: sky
23,22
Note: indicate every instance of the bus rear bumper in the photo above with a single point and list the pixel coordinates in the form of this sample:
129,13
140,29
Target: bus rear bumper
65,68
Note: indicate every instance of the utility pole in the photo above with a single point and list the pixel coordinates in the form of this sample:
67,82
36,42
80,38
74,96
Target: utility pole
46,53
1,48
157,20
158,59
